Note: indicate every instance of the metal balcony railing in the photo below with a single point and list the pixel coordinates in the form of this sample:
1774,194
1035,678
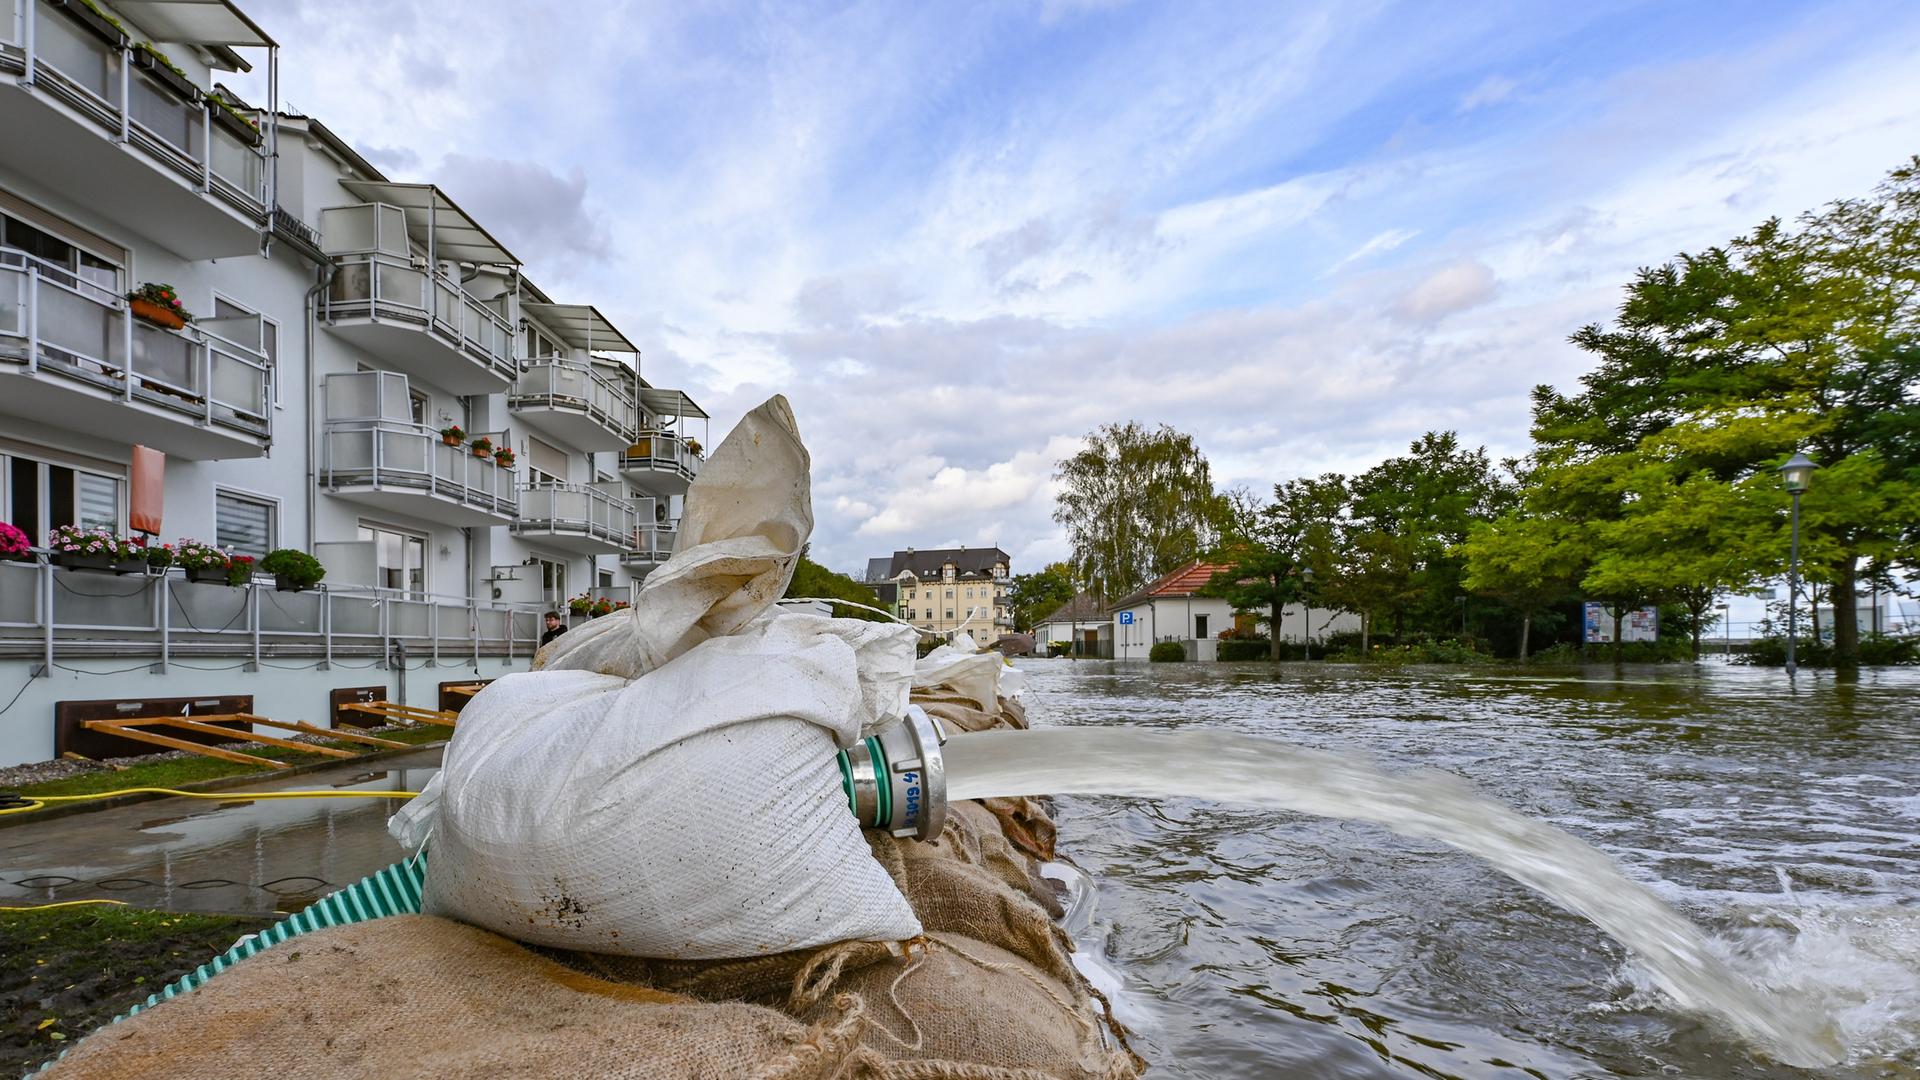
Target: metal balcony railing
401,455
652,545
553,383
167,120
576,509
395,289
55,321
48,612
661,451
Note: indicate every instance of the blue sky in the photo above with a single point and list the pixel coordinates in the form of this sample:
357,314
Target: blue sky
960,236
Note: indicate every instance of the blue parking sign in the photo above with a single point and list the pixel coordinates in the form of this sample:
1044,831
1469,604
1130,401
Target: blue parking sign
1126,618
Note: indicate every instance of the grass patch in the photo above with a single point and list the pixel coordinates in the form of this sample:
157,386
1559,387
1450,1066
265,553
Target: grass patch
68,971
189,770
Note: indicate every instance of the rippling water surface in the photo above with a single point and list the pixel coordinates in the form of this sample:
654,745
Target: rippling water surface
1257,943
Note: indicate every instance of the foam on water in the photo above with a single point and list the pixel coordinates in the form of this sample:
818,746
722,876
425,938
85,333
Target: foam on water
1731,981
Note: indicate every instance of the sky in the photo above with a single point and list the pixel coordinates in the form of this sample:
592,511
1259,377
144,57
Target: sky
960,236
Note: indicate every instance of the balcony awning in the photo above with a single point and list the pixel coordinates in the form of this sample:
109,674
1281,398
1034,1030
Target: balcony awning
665,403
456,237
194,22
581,326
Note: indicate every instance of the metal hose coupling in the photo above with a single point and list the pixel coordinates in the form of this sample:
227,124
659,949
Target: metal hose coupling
896,780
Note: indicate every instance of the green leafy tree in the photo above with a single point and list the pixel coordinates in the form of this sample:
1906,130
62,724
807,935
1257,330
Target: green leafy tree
1727,361
1036,594
813,580
1137,502
1261,577
1526,562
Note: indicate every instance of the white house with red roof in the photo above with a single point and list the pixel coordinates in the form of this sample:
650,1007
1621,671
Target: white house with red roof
1171,609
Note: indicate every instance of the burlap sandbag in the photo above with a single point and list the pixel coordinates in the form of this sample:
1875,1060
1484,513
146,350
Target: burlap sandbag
417,996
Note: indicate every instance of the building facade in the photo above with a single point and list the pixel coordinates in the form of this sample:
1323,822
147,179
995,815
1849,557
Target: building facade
360,354
950,590
1171,609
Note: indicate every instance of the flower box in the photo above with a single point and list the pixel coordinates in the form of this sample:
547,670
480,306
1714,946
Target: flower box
155,314
153,64
103,564
234,124
207,575
92,21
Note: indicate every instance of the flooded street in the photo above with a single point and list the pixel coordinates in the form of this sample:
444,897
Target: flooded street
1261,943
1257,943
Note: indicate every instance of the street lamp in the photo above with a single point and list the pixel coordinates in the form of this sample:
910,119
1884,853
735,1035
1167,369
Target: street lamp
1306,600
1726,627
1795,475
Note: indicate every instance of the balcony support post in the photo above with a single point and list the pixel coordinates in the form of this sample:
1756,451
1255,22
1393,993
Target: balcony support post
433,627
163,596
126,353
46,620
126,102
473,629
32,13
326,629
33,319
206,381
206,151
253,624
386,642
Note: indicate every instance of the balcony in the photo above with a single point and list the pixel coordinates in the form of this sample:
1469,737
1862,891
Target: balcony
373,453
199,394
580,518
406,308
660,462
652,546
112,128
575,403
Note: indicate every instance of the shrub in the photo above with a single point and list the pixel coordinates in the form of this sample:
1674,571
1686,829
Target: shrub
1876,650
159,556
298,567
1341,640
1563,653
1165,651
1243,649
240,570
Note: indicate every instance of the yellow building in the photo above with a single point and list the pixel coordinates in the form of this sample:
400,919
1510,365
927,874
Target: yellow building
952,589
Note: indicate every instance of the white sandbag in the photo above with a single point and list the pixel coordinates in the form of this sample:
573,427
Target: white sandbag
747,517
664,784
980,676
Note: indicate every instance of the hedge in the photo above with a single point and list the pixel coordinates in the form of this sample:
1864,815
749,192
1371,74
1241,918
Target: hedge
1167,651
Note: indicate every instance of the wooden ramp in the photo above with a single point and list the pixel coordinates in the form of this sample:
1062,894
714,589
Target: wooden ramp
138,728
392,713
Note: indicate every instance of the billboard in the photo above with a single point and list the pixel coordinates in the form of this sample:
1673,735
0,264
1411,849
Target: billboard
1639,625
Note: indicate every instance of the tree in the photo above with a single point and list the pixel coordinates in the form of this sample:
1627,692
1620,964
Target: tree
813,580
1729,360
1137,502
1525,561
1261,575
1036,594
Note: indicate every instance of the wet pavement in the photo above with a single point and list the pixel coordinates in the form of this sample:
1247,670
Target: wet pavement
257,856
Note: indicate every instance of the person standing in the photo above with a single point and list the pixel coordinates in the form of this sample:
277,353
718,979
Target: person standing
554,627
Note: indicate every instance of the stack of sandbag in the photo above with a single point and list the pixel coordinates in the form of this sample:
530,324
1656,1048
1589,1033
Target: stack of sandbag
657,807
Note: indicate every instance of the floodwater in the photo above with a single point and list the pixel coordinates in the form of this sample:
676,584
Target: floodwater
1249,942
238,857
1260,943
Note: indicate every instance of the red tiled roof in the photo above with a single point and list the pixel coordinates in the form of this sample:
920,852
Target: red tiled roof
1185,581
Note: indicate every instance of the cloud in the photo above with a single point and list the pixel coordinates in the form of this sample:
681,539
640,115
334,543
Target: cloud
1491,90
1379,244
537,214
1454,288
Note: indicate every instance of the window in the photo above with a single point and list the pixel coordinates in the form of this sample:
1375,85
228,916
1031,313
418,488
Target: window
418,403
1200,626
553,581
545,463
84,267
949,613
400,558
949,596
245,523
969,592
606,579
37,497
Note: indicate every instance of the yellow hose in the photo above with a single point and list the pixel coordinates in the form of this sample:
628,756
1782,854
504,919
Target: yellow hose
64,903
38,802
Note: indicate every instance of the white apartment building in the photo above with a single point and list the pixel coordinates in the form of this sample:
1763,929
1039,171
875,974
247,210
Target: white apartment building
342,322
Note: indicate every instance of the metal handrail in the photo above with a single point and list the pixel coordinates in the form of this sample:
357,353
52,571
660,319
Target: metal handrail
606,402
110,105
207,353
392,460
678,460
652,543
544,508
435,301
156,617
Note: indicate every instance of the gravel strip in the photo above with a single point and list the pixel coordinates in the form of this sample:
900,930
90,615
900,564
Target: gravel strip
39,772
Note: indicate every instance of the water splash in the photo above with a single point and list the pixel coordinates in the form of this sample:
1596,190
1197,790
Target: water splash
1242,769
